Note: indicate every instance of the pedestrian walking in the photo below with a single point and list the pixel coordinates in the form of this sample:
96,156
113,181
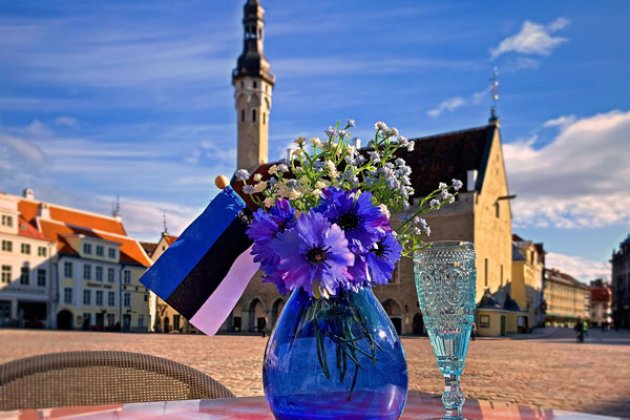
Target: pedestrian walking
585,328
473,331
579,330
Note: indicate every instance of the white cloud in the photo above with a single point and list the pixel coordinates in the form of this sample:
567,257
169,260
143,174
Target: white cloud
533,39
560,121
579,179
457,102
65,121
578,267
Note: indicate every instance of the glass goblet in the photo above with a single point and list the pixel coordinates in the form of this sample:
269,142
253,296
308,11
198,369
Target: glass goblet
446,283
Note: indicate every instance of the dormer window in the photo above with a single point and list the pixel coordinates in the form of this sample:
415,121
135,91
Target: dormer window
87,249
112,253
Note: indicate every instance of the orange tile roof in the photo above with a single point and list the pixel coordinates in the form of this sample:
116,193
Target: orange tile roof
29,231
28,209
170,239
65,221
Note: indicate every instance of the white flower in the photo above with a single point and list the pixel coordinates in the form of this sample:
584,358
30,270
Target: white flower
374,155
242,175
257,177
300,141
260,187
273,170
434,203
411,146
457,184
315,141
351,123
320,185
332,169
442,186
269,201
331,131
393,132
380,125
342,133
294,194
451,199
385,210
249,189
351,150
283,168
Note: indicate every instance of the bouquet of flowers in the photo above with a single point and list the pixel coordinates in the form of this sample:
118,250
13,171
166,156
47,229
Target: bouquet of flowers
334,219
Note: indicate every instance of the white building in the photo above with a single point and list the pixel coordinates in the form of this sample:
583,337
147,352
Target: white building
26,276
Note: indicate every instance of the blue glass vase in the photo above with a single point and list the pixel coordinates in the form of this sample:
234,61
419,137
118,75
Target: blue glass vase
335,358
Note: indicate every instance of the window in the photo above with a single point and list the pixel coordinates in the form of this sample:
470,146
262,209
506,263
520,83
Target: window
41,251
242,115
501,275
87,249
67,269
100,251
6,274
497,209
24,274
99,298
111,274
111,320
111,298
98,273
41,278
87,272
484,321
146,298
127,300
67,295
26,249
127,277
7,220
140,320
111,252
7,246
253,115
264,118
87,297
176,321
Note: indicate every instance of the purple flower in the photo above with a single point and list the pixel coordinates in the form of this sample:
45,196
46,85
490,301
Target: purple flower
267,226
355,213
314,254
382,259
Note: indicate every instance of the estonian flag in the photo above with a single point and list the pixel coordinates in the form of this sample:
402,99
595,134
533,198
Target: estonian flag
204,273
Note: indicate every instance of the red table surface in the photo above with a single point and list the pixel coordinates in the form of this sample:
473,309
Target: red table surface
419,406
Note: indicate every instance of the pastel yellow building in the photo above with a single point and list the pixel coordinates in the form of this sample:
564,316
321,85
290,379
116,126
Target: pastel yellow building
566,299
526,286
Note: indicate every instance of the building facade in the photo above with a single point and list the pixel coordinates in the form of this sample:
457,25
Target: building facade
526,287
26,282
601,304
94,267
566,299
621,285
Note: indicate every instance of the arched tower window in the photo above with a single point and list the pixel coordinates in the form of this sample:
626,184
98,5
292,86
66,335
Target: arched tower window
242,115
264,118
255,84
253,115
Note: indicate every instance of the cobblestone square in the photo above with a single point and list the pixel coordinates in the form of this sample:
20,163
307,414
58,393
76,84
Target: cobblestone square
549,369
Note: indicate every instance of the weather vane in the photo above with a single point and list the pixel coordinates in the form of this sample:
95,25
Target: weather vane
495,94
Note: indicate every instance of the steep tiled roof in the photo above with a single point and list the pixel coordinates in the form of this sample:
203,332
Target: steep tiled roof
170,239
148,247
29,231
601,294
517,255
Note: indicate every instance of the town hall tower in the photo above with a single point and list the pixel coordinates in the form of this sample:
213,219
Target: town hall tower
253,85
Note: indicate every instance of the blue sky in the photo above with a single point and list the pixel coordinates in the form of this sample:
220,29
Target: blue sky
99,99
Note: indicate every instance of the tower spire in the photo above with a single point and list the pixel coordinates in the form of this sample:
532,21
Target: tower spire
495,96
253,84
164,222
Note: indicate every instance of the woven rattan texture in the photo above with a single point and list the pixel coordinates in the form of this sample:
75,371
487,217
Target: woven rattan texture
100,377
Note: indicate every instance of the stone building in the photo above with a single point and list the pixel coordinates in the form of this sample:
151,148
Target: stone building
26,282
93,266
526,287
621,285
481,213
601,304
566,299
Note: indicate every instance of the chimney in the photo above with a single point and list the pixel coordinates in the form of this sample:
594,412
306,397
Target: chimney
472,180
43,211
28,193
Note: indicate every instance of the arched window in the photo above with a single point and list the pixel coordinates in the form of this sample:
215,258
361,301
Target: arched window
242,115
255,84
264,118
253,115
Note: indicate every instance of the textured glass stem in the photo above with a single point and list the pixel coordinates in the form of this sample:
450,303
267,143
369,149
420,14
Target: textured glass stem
452,397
